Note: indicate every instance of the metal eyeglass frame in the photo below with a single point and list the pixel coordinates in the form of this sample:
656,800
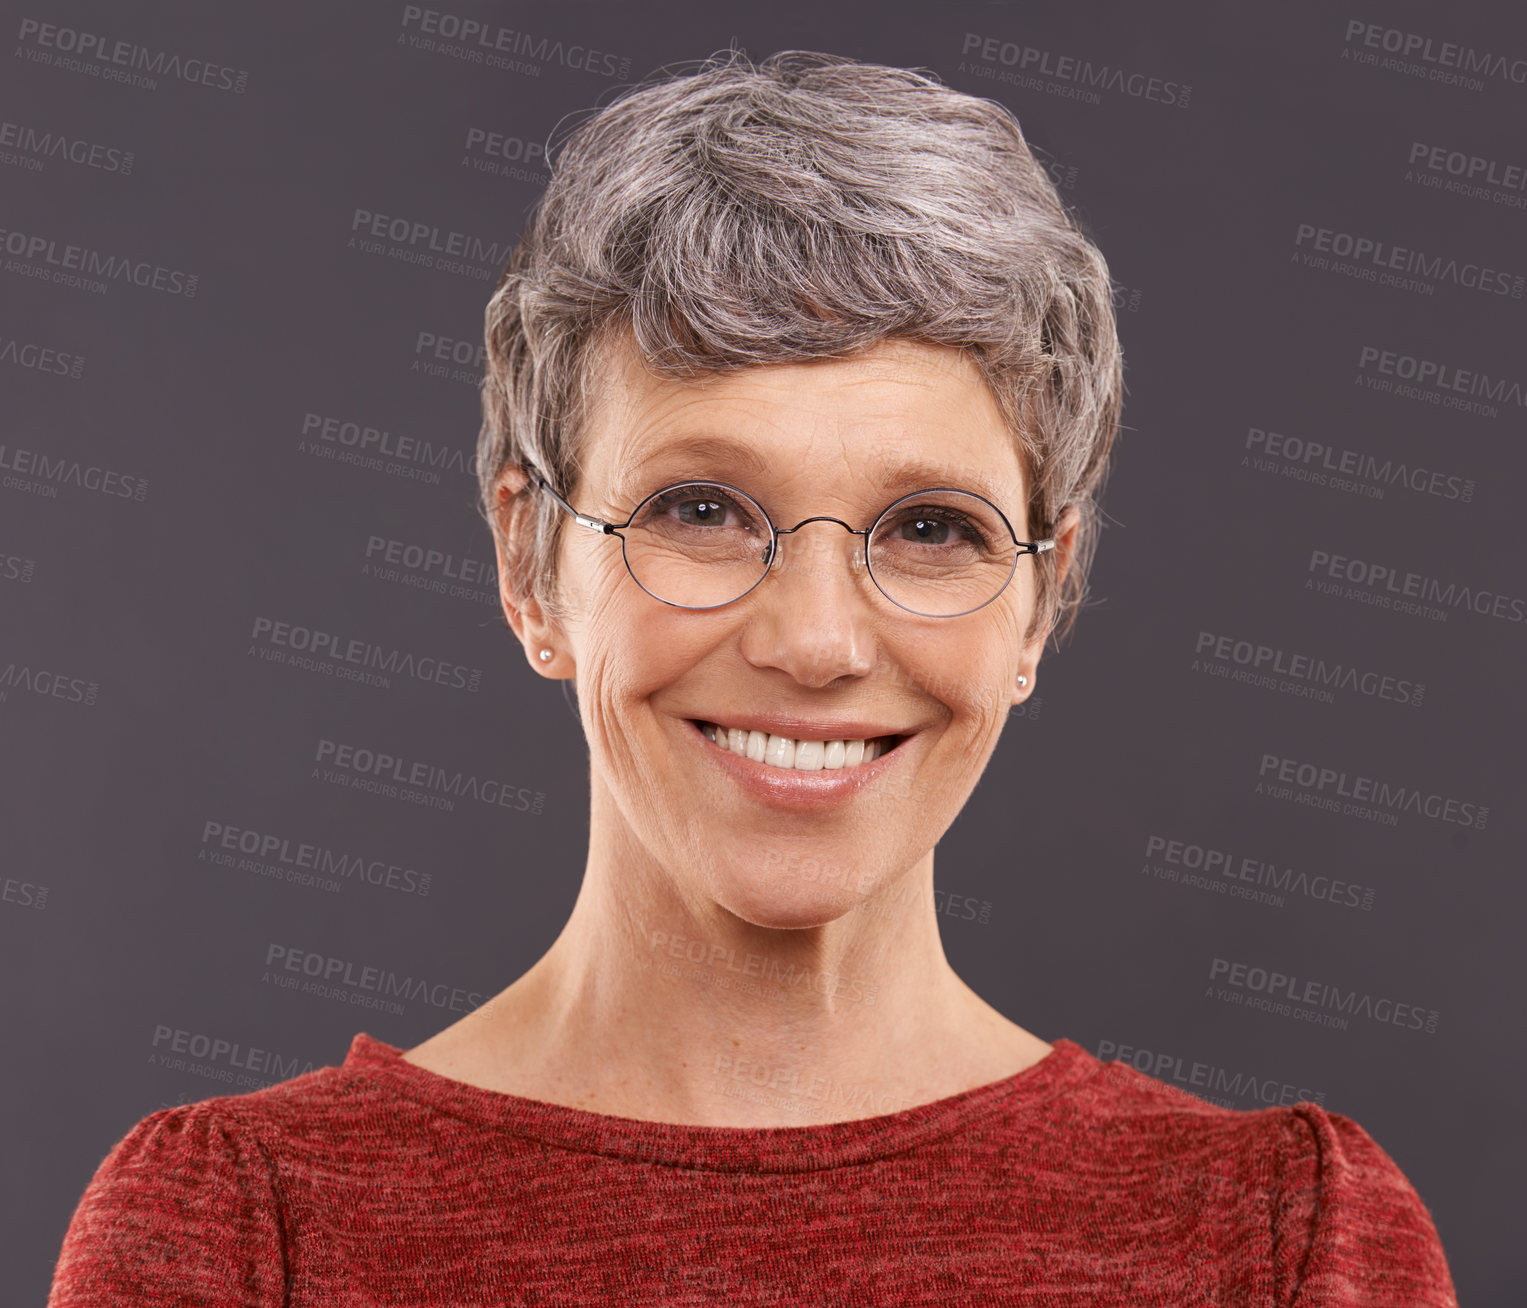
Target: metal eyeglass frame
614,529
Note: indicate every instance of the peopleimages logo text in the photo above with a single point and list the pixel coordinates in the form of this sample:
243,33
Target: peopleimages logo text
1304,667
300,854
1320,995
1441,376
88,264
330,971
380,441
473,32
39,145
104,50
1467,167
364,653
1227,865
72,472
378,766
1370,790
429,236
1442,54
1070,68
1214,1080
40,358
231,1053
1379,254
1384,578
1308,453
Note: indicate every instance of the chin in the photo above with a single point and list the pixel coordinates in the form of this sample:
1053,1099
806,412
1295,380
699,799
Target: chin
786,907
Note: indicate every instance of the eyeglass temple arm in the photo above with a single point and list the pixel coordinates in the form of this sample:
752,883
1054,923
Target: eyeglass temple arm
582,519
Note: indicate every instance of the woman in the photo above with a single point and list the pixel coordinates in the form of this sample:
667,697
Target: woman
801,385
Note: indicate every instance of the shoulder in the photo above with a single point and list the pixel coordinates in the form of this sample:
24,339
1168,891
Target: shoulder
1345,1225
251,1123
1354,1228
192,1196
188,1197
1319,1148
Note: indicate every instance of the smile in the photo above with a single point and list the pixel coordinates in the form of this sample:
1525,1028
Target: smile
789,754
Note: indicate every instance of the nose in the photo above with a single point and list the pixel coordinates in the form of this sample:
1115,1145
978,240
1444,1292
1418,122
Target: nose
813,617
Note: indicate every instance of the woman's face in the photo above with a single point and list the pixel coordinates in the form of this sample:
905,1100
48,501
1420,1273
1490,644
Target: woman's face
815,650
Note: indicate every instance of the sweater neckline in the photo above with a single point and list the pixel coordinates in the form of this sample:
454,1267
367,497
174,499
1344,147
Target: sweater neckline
723,1148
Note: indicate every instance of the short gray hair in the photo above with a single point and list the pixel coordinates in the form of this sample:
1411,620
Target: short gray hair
808,206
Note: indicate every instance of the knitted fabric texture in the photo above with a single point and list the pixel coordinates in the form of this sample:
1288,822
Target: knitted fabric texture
1074,1182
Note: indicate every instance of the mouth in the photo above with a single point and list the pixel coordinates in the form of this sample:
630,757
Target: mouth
787,754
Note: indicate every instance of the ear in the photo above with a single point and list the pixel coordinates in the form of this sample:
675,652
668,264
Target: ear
1065,537
536,629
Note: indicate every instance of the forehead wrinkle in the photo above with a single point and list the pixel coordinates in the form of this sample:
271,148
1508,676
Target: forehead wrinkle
699,454
869,376
708,451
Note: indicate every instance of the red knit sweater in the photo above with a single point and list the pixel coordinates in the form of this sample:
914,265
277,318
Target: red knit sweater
1074,1182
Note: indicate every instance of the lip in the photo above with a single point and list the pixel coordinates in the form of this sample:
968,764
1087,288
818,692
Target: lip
803,792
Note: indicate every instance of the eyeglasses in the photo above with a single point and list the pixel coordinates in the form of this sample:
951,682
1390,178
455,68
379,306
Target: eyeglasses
938,553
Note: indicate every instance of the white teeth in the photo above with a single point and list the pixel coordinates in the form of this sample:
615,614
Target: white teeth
809,754
800,755
781,752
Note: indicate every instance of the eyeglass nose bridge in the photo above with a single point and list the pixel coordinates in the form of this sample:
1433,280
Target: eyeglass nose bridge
821,517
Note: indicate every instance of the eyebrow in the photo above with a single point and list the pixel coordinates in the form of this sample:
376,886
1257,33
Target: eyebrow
703,451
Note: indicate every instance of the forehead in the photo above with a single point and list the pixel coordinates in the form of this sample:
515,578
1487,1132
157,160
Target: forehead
900,411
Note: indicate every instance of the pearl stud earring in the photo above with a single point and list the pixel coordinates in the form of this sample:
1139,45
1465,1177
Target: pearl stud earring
545,656
1022,680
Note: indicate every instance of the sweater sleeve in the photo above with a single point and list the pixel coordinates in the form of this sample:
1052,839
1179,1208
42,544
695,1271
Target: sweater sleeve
1350,1231
184,1210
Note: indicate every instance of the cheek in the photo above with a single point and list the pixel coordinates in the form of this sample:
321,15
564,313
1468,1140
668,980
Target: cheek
629,646
992,656
967,671
600,602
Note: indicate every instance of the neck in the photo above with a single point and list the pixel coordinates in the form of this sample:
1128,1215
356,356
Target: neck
664,1006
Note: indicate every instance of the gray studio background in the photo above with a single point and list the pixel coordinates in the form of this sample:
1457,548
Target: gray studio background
1318,222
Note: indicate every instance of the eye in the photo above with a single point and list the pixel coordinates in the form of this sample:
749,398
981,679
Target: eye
925,528
938,527
696,506
701,512
701,509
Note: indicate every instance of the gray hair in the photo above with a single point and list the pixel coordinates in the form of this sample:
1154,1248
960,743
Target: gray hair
804,207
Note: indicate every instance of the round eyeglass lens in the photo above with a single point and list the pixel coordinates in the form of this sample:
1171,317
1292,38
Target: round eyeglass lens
698,545
942,553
